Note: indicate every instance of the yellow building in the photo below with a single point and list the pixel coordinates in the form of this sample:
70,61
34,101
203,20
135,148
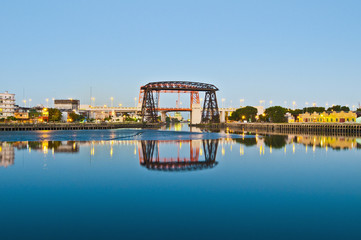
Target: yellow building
21,115
332,117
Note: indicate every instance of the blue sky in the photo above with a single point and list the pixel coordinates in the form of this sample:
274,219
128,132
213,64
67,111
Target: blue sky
303,51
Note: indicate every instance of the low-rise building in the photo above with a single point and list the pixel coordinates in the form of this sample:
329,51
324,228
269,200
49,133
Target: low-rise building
7,105
67,104
328,117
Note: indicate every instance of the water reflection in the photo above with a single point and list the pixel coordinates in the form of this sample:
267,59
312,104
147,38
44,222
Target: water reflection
175,155
155,154
151,157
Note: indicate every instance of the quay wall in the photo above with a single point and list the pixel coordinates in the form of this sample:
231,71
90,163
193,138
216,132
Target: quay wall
73,126
295,128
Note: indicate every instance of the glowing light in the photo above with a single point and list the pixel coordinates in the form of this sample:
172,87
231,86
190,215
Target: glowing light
260,150
241,150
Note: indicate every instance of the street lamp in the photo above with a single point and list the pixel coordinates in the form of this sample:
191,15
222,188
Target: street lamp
135,101
30,102
47,102
270,103
223,99
293,103
24,101
93,100
111,101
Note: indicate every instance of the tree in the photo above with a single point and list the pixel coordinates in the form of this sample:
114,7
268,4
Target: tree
75,117
11,118
296,112
358,110
245,113
33,113
338,108
276,114
314,109
54,114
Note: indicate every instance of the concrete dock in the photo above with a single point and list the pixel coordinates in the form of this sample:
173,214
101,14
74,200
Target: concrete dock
295,128
73,126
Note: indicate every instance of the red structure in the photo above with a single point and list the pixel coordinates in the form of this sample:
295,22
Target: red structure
149,99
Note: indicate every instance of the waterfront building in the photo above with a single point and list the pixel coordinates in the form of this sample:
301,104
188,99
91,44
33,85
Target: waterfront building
67,104
290,118
7,105
328,117
260,110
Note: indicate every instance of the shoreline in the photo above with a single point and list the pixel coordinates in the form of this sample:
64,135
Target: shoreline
73,126
348,129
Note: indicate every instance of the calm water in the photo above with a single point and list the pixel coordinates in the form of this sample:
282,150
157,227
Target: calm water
149,184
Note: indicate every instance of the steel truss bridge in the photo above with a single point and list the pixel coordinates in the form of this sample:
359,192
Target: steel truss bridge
149,100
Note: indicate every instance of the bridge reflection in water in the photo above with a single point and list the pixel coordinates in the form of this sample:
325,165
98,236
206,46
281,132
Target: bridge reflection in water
199,158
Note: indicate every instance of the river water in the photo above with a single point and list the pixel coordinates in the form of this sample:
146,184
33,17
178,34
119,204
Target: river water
178,183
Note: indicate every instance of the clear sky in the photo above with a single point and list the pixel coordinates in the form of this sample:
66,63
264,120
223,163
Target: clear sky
303,51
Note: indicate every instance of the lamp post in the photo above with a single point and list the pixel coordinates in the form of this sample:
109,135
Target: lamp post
24,101
293,104
47,102
223,99
111,101
270,103
135,101
30,102
93,100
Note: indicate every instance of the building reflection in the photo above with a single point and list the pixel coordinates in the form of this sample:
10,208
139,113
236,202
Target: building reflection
201,155
278,141
7,149
7,154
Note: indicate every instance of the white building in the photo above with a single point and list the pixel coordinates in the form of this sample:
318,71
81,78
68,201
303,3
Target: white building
7,105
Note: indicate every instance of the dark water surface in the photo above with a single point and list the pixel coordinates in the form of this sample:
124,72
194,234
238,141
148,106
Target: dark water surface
149,184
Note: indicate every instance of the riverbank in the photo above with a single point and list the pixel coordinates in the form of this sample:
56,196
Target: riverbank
73,126
292,128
